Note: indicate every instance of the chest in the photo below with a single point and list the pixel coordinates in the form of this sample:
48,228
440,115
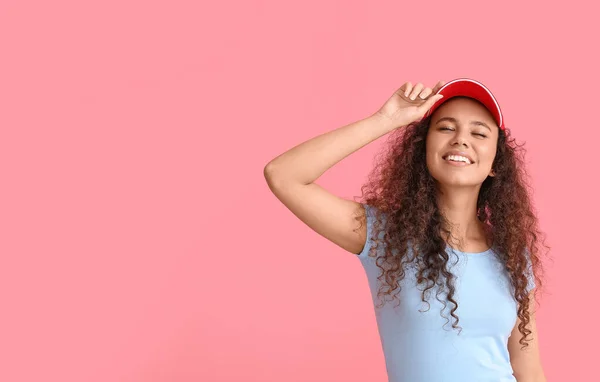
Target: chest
483,293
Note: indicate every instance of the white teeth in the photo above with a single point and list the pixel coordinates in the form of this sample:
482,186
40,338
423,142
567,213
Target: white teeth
458,158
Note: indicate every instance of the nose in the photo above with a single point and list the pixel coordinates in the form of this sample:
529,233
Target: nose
460,139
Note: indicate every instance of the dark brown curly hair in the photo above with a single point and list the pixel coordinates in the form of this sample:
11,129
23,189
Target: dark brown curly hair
401,188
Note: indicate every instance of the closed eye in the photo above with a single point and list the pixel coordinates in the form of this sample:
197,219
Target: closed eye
450,129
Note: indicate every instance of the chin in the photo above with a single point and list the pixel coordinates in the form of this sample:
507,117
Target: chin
454,182
457,179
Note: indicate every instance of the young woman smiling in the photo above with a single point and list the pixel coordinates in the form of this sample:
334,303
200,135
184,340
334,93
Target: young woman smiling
446,232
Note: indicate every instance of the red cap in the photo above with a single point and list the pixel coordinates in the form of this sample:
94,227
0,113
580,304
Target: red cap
469,88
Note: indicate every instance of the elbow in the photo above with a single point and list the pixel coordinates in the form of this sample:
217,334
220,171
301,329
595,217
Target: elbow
272,175
268,170
269,173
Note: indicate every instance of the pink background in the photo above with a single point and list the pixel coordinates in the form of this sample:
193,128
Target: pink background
138,238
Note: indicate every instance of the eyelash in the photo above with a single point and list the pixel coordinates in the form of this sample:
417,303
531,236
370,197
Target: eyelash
447,128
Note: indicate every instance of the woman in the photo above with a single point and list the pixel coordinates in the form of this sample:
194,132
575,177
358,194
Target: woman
446,231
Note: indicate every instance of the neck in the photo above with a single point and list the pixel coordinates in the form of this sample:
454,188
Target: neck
459,207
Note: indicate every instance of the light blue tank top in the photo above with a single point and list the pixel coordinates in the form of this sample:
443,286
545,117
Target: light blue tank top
423,346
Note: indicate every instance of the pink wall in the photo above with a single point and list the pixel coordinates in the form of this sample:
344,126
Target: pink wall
138,238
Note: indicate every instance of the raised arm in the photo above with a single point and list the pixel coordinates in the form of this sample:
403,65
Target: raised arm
291,176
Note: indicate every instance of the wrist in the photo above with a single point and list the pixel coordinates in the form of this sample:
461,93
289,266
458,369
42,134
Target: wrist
385,121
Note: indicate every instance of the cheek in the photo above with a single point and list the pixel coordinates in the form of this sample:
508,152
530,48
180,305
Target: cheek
487,156
430,155
432,145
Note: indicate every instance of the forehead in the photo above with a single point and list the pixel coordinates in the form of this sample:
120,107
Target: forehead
463,108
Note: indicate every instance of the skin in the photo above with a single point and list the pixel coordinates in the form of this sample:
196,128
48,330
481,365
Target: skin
292,178
526,364
459,124
472,129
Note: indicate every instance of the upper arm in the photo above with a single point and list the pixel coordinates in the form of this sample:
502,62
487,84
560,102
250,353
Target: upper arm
339,220
526,363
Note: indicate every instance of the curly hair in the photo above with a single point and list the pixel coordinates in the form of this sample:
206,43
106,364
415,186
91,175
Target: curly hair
401,188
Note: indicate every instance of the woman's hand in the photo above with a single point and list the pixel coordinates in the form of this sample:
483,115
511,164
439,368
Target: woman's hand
409,103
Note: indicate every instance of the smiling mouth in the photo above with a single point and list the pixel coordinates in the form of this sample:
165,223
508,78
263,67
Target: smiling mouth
457,159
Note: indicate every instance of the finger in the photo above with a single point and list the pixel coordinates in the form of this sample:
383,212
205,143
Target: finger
430,102
416,90
425,93
437,87
407,88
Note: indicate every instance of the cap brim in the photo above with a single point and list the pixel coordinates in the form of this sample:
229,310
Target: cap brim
470,88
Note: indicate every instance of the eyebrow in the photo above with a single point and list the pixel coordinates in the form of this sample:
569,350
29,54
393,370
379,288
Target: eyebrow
453,120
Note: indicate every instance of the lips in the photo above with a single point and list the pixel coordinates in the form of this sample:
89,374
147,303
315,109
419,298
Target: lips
458,154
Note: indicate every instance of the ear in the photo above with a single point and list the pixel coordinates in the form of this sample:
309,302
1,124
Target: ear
492,173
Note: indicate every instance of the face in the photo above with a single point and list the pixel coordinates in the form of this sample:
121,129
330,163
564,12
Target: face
461,143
